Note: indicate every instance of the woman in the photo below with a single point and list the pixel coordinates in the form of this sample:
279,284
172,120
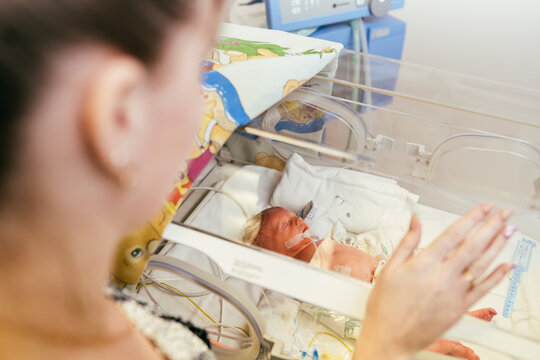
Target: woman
99,102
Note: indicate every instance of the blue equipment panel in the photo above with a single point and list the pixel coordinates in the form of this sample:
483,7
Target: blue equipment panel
291,15
385,37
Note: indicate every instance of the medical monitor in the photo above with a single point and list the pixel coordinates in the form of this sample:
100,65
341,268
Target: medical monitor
291,15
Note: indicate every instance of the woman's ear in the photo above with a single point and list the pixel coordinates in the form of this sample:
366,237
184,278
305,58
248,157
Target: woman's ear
113,117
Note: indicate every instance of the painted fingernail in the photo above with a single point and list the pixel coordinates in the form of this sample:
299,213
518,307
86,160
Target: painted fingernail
506,214
513,266
509,231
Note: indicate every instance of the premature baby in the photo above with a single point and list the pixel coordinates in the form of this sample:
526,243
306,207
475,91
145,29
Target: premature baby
280,230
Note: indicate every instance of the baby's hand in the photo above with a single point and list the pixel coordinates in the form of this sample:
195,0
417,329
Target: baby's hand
485,314
454,348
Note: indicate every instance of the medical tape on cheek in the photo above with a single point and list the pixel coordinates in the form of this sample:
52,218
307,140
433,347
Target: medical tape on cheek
295,240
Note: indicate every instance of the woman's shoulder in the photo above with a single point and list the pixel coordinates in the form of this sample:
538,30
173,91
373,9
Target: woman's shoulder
175,338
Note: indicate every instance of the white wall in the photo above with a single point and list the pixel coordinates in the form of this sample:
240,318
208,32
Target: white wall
493,39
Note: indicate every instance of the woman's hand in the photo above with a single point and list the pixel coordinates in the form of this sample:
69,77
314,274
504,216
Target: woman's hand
418,297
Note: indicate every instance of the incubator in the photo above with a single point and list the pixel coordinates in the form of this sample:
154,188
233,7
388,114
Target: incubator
368,146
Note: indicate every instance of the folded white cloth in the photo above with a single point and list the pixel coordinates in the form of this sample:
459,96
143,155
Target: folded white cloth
361,202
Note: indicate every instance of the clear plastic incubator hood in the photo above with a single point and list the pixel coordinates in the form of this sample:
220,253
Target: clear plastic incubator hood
355,154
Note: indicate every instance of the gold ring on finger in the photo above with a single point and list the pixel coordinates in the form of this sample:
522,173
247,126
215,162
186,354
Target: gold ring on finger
469,277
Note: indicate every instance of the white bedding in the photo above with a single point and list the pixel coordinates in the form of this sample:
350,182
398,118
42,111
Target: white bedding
252,186
257,188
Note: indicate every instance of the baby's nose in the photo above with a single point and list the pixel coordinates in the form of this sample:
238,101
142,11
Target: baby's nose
299,220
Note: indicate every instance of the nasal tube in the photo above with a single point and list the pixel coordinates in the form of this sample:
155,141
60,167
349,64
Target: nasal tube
378,269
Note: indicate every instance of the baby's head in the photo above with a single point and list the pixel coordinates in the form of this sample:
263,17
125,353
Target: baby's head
274,228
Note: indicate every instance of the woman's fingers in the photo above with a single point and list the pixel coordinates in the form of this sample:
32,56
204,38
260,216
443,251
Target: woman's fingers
408,244
478,267
485,285
477,243
455,234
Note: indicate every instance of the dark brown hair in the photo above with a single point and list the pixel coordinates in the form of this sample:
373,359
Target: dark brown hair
32,31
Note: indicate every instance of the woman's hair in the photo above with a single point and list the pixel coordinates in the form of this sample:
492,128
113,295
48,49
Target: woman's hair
33,31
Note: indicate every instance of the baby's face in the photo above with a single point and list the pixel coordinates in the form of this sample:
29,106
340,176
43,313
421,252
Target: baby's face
280,226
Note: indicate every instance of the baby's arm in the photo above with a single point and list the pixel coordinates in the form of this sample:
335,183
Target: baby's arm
457,349
454,348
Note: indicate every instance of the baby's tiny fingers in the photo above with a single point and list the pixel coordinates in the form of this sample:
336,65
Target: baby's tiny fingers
485,314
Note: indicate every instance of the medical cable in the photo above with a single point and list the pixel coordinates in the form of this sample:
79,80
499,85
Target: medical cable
152,298
220,319
159,283
216,270
237,329
195,304
361,45
220,325
355,59
224,193
240,339
180,292
332,336
222,289
240,335
243,342
528,313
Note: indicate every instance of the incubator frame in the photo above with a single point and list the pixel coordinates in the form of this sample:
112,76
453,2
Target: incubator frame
463,116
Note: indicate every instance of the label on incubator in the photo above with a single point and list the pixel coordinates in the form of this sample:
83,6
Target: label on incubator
522,258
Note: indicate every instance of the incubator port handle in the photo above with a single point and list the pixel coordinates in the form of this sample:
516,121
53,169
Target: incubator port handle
536,185
417,150
384,143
